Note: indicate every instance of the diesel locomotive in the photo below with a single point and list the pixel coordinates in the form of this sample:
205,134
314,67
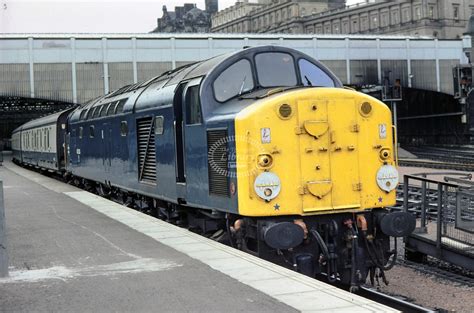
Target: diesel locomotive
262,148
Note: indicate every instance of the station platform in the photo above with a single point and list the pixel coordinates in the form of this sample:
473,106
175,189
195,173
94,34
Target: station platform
71,250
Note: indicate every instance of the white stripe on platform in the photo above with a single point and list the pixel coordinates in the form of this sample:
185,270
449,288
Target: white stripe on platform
296,290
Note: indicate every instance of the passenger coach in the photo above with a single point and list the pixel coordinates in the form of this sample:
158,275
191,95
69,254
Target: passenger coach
41,142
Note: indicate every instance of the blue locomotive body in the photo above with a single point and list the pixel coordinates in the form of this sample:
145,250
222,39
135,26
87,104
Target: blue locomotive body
195,144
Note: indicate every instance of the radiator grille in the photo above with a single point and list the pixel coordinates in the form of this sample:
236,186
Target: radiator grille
146,150
217,162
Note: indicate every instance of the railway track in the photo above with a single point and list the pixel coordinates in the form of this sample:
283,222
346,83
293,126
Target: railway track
395,302
448,157
444,271
445,165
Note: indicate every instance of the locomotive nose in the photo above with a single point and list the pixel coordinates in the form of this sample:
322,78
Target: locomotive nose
315,150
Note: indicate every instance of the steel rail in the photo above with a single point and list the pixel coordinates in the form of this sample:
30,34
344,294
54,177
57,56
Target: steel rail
392,301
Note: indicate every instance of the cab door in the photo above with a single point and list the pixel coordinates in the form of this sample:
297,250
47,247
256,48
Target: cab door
194,142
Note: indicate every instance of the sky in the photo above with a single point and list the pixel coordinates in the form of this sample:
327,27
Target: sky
87,16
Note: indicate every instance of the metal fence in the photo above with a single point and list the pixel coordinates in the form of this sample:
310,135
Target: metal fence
445,217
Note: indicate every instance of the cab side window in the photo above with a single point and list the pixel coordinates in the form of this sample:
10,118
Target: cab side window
193,106
312,75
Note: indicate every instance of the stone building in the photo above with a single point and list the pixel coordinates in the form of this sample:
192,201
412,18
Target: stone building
446,19
187,19
269,16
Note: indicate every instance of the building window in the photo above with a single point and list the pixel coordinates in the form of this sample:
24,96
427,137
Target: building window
395,17
431,12
405,15
91,131
384,20
345,27
456,12
418,13
81,131
277,17
355,26
363,24
374,22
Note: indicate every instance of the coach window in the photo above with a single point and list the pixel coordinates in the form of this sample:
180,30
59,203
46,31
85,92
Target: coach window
123,128
275,69
235,80
81,132
312,75
193,106
91,131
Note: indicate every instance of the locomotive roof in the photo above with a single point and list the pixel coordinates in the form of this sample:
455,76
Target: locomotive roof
159,90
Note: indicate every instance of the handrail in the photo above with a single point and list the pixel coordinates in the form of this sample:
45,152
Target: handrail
406,178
